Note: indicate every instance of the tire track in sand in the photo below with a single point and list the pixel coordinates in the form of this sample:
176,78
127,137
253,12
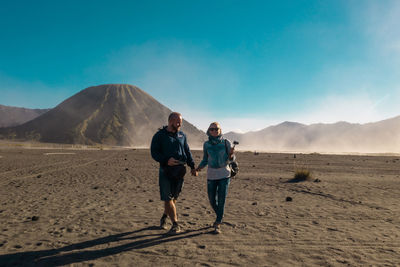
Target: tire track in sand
58,169
35,168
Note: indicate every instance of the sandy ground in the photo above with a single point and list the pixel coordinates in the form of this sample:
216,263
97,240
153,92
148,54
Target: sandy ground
102,208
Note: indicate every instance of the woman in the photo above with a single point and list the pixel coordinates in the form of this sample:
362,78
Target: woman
217,153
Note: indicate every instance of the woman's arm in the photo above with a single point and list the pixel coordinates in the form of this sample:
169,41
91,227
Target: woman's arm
204,162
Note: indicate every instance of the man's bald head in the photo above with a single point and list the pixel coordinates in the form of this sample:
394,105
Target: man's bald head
174,115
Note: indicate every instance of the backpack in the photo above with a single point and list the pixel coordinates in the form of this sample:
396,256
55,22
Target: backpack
233,165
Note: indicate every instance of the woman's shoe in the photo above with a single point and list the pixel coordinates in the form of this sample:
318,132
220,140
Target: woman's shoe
175,229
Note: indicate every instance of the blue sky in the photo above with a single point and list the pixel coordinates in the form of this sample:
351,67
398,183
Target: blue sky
246,64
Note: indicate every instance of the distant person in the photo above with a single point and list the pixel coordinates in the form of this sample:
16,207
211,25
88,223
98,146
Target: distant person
169,147
218,151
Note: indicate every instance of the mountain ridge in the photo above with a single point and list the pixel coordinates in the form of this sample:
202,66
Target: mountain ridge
12,116
380,136
113,114
125,115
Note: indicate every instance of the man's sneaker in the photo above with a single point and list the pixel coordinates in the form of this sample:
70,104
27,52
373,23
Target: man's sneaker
163,222
217,228
175,229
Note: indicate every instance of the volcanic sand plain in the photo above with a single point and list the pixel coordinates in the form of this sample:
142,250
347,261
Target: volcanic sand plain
102,208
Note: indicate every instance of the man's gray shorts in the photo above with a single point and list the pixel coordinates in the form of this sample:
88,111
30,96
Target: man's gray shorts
168,189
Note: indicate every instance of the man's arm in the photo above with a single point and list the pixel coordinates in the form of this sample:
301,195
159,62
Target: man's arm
189,157
156,150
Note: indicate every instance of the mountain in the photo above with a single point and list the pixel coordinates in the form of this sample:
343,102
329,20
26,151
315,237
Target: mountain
377,137
113,114
12,116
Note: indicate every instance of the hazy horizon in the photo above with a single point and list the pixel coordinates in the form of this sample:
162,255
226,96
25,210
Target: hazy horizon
266,126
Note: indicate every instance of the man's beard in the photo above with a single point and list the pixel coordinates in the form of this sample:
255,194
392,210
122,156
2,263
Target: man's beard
176,128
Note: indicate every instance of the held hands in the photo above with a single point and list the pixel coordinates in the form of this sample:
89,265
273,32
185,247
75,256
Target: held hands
194,172
197,170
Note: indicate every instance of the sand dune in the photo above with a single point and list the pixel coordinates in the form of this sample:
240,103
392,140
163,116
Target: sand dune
102,208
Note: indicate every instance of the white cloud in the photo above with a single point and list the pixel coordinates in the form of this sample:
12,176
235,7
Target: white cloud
359,107
174,71
185,77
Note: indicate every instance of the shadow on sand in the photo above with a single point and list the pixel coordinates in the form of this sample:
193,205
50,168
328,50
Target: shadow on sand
75,252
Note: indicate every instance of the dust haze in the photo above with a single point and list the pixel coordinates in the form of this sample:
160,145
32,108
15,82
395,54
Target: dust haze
341,137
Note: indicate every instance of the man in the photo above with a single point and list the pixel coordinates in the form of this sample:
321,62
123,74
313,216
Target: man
169,147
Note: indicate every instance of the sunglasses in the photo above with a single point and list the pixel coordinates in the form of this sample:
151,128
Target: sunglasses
213,129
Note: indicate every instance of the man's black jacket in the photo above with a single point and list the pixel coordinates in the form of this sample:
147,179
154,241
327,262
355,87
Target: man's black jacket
165,145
